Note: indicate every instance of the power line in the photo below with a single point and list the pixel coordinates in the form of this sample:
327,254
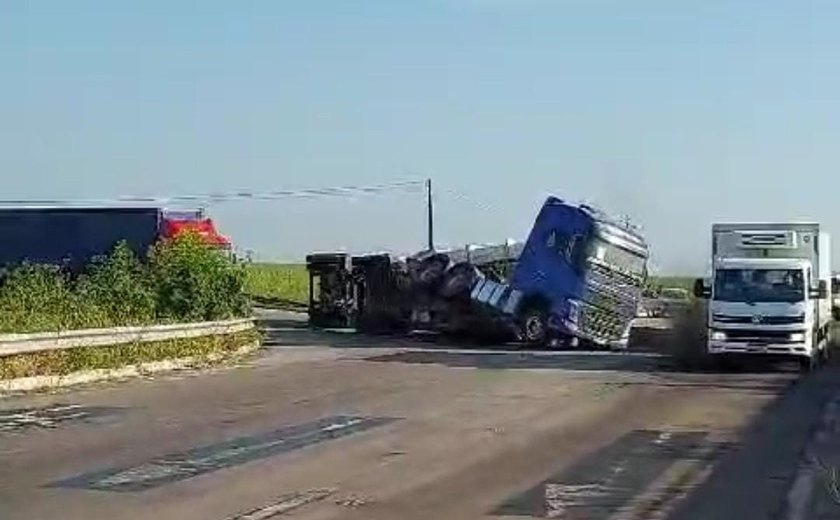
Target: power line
462,197
213,198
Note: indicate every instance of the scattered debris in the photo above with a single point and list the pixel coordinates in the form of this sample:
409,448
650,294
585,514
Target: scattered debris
353,501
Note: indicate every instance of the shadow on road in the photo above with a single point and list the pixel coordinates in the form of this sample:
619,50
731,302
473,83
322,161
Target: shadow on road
765,378
291,331
595,361
269,302
753,481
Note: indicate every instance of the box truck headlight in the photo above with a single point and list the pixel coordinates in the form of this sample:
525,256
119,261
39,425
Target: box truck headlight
718,335
797,337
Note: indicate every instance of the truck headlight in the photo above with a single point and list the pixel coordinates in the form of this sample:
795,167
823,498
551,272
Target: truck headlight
797,337
718,335
574,312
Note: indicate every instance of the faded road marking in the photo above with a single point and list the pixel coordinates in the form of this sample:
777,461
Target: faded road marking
611,480
284,504
47,417
206,459
658,501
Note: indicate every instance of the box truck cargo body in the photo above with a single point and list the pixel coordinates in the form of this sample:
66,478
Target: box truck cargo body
769,291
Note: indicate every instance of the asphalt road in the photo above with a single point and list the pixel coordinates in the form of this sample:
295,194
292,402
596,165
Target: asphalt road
328,426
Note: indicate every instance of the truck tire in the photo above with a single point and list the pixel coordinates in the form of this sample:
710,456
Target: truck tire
430,270
458,281
809,363
725,363
534,326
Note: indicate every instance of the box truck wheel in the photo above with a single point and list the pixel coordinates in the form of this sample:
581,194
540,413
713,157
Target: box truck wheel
809,363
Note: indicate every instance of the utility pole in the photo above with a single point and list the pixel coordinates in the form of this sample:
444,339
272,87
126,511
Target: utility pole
430,216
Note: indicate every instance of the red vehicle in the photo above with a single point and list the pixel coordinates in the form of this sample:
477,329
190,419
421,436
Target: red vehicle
203,227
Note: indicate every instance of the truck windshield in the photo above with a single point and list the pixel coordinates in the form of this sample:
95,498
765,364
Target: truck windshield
619,258
759,285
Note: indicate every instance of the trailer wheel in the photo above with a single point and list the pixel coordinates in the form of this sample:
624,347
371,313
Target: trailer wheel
534,326
458,281
430,270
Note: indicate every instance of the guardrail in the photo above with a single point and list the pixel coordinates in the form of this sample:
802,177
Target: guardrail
11,344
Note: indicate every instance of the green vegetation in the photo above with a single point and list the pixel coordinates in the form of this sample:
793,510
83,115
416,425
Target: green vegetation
182,280
278,285
683,282
203,351
655,284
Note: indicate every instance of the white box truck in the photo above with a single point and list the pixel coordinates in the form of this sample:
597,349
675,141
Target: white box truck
769,292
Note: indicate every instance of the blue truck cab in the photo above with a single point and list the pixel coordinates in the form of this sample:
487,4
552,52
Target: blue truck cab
578,278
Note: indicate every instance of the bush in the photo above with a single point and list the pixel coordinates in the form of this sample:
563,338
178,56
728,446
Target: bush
39,297
183,280
193,283
118,288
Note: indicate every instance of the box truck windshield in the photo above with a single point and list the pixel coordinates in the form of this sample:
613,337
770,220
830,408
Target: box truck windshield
759,285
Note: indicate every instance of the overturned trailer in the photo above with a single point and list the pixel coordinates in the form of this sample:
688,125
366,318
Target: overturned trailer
382,293
577,278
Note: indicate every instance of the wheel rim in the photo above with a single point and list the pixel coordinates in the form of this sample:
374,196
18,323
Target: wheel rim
534,328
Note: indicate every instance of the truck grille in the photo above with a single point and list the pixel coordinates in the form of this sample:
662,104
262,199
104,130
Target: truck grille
609,303
615,277
764,320
601,324
758,336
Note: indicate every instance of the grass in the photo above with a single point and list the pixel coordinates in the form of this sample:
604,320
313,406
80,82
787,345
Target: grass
204,350
179,281
683,282
278,285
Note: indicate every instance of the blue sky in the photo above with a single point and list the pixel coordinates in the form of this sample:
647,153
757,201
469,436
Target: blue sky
676,113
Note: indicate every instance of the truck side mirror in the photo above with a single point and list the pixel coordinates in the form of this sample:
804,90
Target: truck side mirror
820,292
700,289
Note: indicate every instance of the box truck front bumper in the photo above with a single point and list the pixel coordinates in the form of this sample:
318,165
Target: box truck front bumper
793,343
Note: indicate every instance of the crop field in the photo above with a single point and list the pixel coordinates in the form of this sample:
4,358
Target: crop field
683,282
278,285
